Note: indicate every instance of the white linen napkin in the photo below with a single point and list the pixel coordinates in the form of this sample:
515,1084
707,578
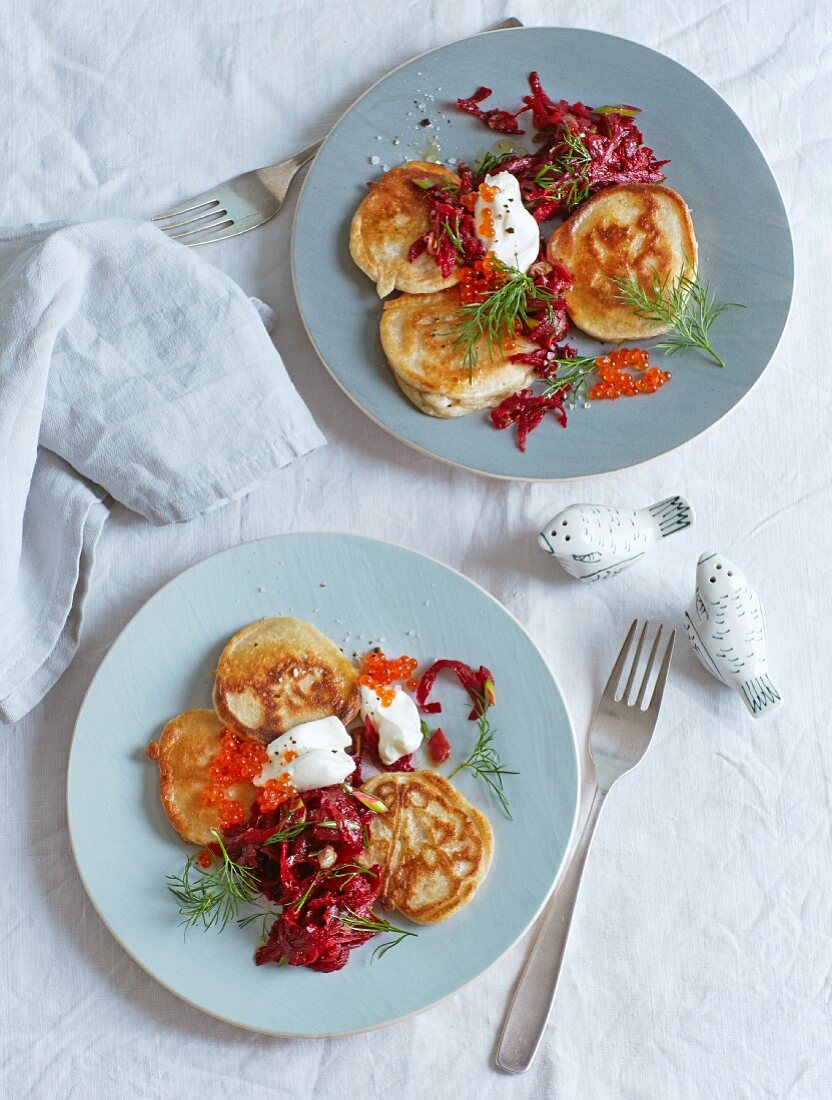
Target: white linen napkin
129,369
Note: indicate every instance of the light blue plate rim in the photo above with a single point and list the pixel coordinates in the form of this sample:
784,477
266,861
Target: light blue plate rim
509,466
78,800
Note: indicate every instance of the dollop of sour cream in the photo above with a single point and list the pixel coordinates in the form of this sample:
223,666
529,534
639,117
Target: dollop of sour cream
310,755
399,730
504,225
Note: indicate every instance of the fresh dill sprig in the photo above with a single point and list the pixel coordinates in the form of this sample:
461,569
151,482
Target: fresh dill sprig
566,180
488,162
349,871
215,897
484,760
494,318
574,373
302,900
296,828
683,302
376,924
264,915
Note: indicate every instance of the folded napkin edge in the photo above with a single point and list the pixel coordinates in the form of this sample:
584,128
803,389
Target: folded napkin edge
46,659
230,483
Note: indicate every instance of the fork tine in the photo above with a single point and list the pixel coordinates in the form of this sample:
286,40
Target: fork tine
632,677
661,679
213,210
648,669
196,203
222,233
210,228
612,684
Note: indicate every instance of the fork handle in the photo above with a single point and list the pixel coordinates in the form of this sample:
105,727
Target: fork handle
531,1004
305,154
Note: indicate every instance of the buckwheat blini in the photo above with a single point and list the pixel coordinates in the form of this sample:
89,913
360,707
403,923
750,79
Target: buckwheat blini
631,231
420,337
433,847
277,673
386,224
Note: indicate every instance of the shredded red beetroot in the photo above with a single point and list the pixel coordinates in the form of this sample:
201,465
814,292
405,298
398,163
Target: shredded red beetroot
527,409
452,236
309,931
479,684
614,145
370,743
503,121
439,746
549,322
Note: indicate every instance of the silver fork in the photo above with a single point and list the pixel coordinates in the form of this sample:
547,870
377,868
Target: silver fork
618,739
246,201
236,206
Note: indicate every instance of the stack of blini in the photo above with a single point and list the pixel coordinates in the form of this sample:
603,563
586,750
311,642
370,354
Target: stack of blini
432,846
625,231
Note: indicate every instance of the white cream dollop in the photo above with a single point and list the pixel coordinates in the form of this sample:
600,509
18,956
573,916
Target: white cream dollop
399,729
311,755
516,239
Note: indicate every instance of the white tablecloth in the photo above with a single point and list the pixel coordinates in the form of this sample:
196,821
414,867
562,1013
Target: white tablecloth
700,963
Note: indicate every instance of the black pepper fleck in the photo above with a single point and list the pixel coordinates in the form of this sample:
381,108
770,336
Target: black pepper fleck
424,122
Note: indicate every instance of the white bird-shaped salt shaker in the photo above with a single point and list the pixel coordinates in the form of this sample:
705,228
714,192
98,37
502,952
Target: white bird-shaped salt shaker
593,542
726,629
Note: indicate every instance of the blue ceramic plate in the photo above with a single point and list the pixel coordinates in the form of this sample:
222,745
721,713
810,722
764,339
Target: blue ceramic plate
744,241
359,592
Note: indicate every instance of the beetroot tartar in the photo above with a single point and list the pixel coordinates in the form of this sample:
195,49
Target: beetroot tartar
315,889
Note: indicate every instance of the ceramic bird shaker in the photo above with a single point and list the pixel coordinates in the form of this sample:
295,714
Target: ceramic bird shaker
726,629
593,542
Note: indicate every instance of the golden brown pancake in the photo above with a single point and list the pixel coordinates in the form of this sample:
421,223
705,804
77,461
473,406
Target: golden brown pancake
633,230
185,751
277,673
433,847
418,334
387,223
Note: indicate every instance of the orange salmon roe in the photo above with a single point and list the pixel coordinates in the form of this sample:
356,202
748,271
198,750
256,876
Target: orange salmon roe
380,673
237,761
275,791
205,859
615,381
486,226
488,191
231,811
479,280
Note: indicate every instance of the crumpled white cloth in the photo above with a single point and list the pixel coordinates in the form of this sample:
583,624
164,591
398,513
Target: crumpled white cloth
700,957
130,370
